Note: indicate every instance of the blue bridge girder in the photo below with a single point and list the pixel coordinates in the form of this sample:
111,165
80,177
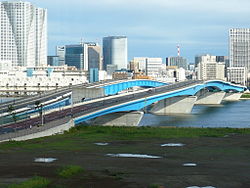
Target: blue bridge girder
114,88
134,102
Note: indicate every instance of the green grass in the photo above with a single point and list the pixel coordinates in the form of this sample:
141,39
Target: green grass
69,171
77,138
245,95
35,182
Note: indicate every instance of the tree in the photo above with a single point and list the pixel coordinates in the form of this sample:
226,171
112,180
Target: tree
12,112
39,106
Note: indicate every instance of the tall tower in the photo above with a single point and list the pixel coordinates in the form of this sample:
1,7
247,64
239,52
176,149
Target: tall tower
115,52
23,34
239,47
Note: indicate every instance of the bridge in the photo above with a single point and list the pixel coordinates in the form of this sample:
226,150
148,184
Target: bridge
88,90
190,92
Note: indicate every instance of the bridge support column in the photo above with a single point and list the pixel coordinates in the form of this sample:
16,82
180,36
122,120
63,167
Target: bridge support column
210,98
232,96
174,105
119,119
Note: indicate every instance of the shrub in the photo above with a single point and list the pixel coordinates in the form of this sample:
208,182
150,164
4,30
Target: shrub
69,171
35,182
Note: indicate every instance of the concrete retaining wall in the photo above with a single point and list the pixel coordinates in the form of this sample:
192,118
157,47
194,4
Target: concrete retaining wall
79,93
119,119
37,132
174,105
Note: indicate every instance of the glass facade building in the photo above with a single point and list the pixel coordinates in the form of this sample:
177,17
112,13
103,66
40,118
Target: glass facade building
76,55
115,52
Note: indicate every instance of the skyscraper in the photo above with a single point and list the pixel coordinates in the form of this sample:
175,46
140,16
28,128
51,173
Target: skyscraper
239,47
115,51
94,60
23,34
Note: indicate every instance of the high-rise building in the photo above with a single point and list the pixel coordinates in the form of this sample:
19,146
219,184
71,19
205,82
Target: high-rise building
60,52
178,61
115,51
23,34
94,61
239,47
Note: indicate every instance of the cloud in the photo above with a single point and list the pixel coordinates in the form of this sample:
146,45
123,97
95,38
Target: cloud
153,27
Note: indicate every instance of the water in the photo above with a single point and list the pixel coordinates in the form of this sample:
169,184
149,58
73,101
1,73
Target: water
228,114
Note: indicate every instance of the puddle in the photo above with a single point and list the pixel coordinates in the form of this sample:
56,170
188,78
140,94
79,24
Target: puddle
201,187
172,145
44,160
101,144
134,156
189,164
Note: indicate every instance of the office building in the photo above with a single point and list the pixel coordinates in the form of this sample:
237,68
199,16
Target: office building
209,69
60,52
237,75
23,34
115,52
53,60
77,55
154,67
239,47
178,61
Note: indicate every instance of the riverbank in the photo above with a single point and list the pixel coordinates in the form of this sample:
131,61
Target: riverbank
221,155
245,96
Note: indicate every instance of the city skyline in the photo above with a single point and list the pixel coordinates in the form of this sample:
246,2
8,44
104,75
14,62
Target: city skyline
153,28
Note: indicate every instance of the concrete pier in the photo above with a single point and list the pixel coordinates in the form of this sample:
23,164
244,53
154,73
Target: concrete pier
210,98
174,105
79,94
232,96
119,119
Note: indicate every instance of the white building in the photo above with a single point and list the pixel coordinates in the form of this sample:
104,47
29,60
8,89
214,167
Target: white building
23,34
239,44
237,75
141,62
50,77
209,69
154,67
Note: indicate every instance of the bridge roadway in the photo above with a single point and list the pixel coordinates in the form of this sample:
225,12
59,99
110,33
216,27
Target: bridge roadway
49,95
30,100
94,105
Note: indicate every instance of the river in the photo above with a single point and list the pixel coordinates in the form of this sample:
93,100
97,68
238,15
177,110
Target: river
228,114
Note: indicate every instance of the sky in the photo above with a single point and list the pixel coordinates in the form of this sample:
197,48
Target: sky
154,27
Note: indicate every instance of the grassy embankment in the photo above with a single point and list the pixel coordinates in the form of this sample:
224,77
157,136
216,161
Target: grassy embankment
246,96
73,139
81,139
